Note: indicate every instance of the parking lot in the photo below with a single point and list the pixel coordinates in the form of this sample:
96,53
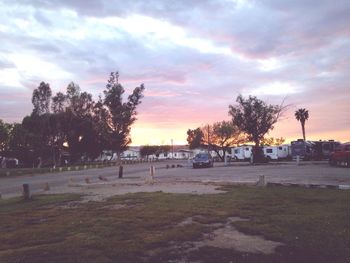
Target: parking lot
104,182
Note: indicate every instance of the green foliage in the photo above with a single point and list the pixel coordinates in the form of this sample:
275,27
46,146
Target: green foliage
85,126
254,117
120,115
41,99
5,129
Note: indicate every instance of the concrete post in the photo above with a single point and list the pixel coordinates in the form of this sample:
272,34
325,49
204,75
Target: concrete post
298,160
26,192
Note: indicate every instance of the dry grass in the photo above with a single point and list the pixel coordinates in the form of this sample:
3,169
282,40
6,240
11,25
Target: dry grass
314,225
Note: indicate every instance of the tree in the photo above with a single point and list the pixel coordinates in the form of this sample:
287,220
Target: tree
4,135
255,118
272,141
302,115
21,145
120,115
148,150
41,99
195,138
58,103
220,136
225,135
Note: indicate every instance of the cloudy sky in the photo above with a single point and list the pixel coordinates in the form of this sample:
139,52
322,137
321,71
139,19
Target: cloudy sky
194,58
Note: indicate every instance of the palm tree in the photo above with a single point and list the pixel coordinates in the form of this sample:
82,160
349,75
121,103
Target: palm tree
302,115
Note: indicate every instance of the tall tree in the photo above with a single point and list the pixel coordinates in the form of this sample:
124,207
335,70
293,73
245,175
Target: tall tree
78,123
121,115
4,135
41,99
255,118
302,115
59,103
21,145
195,138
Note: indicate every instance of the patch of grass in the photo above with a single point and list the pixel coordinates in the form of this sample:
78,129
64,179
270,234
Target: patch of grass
314,225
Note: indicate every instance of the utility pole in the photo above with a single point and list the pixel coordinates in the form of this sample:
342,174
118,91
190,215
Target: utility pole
172,149
208,139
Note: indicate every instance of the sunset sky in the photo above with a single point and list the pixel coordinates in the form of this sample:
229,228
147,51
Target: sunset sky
194,58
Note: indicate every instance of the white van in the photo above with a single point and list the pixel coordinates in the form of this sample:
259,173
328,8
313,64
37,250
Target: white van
279,152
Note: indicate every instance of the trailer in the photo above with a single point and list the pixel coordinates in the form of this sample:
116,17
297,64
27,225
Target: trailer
242,153
280,152
323,149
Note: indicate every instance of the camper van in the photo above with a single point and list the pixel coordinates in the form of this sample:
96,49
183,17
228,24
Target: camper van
280,152
242,153
304,149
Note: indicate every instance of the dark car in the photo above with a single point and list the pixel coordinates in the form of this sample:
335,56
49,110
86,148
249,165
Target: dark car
202,160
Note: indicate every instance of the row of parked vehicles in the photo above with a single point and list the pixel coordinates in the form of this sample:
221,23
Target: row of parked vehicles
306,150
330,150
333,151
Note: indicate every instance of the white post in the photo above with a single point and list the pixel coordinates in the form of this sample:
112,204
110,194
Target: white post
298,159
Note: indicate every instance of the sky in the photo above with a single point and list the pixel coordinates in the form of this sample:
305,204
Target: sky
194,58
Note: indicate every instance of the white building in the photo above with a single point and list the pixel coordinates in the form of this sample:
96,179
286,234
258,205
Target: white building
132,153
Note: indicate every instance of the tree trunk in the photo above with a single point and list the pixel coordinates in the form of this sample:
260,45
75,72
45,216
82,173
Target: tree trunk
303,129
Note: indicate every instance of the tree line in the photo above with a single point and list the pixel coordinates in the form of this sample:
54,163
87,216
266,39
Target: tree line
71,126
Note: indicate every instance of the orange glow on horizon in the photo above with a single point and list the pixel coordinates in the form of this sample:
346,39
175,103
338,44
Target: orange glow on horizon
150,135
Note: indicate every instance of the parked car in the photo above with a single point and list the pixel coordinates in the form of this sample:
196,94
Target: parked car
203,160
340,155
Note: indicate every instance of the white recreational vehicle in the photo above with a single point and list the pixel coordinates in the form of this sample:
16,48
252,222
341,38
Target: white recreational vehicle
242,153
277,152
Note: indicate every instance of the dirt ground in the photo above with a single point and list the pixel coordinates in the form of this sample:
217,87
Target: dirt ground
99,184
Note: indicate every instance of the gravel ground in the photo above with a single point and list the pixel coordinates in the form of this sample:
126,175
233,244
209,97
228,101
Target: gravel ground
182,179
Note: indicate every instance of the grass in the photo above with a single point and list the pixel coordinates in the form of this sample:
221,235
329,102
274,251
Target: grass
314,225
